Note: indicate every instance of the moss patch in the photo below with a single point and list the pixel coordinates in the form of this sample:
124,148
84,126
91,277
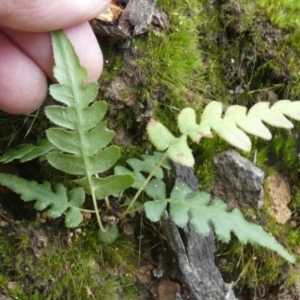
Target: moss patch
57,269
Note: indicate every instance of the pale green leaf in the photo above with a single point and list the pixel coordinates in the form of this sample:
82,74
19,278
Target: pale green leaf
289,108
98,138
104,160
236,121
67,66
159,135
187,124
236,114
271,116
67,163
224,222
27,152
154,209
56,201
181,153
109,236
66,141
73,217
145,166
179,212
228,131
66,116
211,114
139,177
156,189
107,186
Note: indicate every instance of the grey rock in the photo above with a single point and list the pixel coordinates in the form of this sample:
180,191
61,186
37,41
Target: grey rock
238,181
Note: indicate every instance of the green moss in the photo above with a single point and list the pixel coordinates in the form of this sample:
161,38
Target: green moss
204,154
57,271
249,266
171,59
112,62
128,286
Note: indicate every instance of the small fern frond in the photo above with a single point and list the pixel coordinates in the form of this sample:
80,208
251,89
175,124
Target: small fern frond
233,127
27,152
82,139
148,175
145,166
177,148
58,202
236,123
195,209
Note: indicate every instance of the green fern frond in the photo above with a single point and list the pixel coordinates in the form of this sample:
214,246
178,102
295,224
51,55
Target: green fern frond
195,209
145,166
58,202
78,146
233,127
82,138
237,122
27,152
152,166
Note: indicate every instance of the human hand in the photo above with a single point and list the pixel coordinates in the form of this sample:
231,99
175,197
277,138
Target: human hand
26,58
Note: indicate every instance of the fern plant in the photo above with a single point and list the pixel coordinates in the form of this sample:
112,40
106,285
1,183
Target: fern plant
186,206
79,146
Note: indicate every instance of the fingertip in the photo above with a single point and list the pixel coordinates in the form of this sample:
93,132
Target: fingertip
38,47
17,103
42,16
23,85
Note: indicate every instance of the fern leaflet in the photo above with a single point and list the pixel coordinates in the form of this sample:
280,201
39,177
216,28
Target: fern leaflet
27,152
195,209
232,127
58,202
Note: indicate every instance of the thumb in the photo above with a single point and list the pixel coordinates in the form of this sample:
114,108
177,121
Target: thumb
45,15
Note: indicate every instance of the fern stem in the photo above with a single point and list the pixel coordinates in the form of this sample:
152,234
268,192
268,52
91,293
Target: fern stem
127,211
95,204
97,212
88,210
107,202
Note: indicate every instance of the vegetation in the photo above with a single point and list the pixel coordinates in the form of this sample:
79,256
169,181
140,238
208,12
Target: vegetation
237,53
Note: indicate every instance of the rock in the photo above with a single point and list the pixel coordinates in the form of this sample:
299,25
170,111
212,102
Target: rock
167,290
121,23
238,181
278,190
3,297
119,90
288,292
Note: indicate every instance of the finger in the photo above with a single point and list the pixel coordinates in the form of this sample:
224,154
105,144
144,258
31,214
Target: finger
45,15
23,85
38,47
